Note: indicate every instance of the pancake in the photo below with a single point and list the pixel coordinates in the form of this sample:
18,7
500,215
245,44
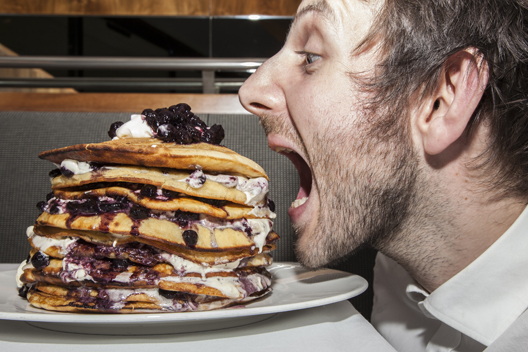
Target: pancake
84,300
133,251
235,189
223,210
155,153
55,243
204,234
73,272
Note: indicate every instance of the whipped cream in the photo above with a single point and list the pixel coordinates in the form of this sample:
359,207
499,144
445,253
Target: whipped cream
137,127
196,179
74,272
255,189
75,167
20,271
186,266
43,243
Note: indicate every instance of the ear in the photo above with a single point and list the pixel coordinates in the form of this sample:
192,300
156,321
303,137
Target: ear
446,114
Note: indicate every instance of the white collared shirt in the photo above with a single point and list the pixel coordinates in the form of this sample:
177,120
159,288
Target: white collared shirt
481,306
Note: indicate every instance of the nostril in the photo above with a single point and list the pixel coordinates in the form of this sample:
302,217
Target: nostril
259,106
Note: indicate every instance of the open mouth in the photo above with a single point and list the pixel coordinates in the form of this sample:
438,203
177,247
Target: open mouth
305,176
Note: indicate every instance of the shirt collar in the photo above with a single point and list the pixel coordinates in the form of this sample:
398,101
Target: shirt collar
486,297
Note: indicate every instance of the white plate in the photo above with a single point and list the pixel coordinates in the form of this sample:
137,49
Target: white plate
293,288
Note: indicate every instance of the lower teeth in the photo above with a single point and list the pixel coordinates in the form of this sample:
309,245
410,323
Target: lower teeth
298,202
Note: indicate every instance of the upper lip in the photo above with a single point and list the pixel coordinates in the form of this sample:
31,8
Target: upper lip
281,145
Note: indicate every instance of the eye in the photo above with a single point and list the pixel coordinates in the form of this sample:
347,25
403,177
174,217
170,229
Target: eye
309,58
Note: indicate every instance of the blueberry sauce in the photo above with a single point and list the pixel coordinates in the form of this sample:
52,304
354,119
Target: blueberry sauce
177,124
112,300
104,271
130,252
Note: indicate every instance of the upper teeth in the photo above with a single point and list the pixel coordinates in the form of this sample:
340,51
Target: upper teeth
283,150
298,202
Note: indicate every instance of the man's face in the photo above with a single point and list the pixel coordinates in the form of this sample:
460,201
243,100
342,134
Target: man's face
355,182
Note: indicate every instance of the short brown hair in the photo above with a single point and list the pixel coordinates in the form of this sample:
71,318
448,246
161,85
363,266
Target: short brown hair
418,36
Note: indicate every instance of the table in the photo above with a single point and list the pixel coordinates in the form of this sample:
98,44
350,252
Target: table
334,327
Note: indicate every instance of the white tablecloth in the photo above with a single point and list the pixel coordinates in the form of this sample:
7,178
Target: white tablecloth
335,327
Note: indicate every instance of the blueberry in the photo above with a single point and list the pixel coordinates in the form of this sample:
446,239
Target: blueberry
182,135
186,216
40,260
169,194
214,134
165,116
121,199
96,166
149,191
138,212
120,263
196,121
41,205
54,173
113,128
111,207
53,209
88,207
166,133
148,112
66,172
193,133
49,196
271,205
190,237
152,118
172,294
180,108
23,291
214,202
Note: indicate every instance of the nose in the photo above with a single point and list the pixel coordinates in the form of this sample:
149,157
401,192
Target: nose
262,92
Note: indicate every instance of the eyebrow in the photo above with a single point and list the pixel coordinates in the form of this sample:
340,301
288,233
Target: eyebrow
321,7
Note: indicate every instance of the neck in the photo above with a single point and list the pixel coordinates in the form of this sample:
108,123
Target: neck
450,229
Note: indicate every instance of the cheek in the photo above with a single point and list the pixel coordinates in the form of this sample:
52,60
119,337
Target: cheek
326,105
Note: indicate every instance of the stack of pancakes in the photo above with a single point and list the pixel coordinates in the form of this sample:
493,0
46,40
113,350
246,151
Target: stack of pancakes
140,224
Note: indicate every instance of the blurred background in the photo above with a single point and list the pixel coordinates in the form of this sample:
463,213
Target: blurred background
105,45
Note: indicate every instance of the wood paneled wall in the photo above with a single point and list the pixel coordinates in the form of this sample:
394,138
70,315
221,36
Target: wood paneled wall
258,7
106,7
150,7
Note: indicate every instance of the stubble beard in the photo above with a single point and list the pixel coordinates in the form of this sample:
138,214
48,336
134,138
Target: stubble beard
366,185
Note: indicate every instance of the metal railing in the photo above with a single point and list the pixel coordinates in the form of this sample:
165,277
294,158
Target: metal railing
207,66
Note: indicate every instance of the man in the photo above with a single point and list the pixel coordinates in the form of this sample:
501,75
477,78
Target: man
407,121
